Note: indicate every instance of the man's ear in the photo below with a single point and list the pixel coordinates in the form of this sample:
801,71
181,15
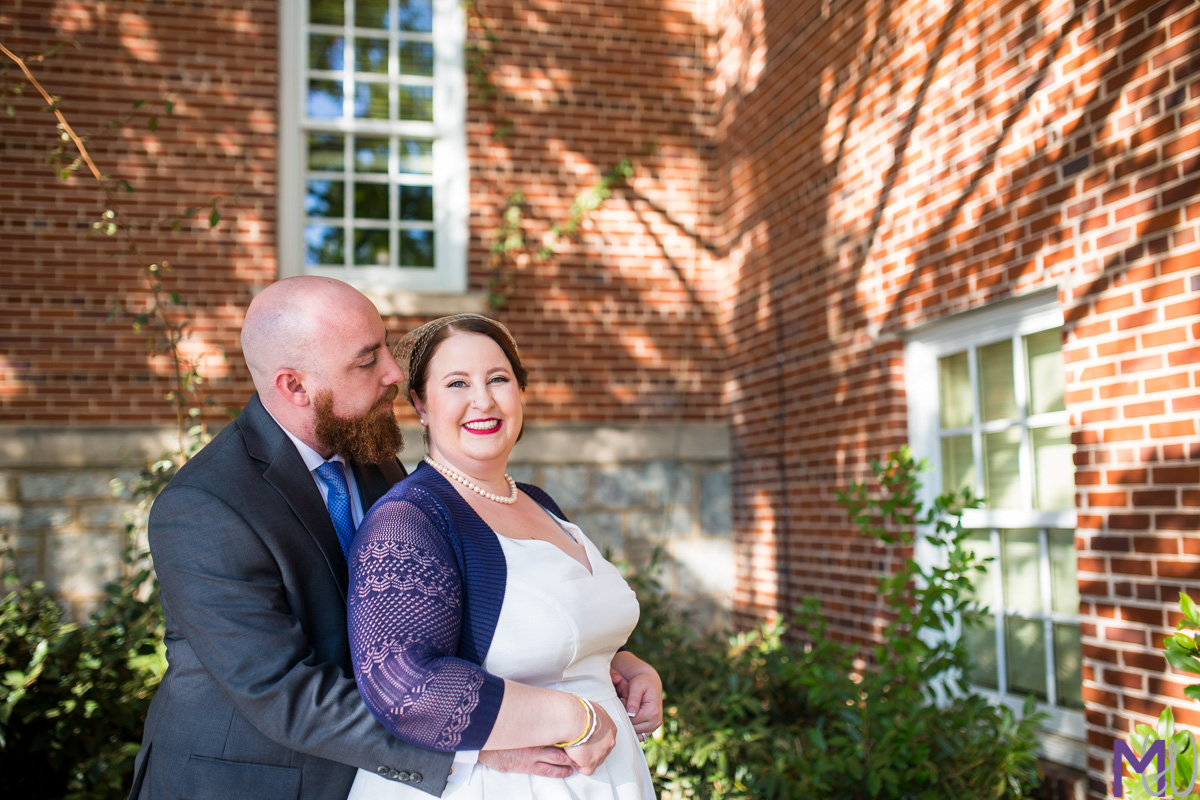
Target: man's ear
290,387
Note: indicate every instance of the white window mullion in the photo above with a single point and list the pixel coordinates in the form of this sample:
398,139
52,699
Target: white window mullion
995,572
976,423
1047,608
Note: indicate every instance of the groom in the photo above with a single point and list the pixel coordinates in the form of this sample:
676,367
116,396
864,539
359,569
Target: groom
248,542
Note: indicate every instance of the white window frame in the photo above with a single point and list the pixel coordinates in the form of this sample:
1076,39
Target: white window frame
391,285
1064,733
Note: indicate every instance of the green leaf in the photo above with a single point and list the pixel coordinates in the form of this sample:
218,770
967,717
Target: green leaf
169,105
214,218
1193,692
1180,660
152,124
1188,607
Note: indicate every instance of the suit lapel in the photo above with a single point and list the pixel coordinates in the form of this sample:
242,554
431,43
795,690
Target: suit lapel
286,472
374,481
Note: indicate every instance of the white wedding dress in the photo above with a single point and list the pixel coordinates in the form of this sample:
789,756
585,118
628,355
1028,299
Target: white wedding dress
559,627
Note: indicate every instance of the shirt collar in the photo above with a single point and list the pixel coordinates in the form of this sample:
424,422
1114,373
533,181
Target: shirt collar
312,459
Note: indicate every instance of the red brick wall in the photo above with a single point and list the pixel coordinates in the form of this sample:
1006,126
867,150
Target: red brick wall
618,328
63,362
891,164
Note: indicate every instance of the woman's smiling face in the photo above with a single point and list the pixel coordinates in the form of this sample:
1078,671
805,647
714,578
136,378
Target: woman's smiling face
472,406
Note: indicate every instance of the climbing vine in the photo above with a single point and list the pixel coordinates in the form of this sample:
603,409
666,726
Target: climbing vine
510,246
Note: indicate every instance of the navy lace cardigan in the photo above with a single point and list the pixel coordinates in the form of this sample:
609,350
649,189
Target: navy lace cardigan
427,579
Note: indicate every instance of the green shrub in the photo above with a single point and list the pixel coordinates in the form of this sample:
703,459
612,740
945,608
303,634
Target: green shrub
780,712
74,696
1183,653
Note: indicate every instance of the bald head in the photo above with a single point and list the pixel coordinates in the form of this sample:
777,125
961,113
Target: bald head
288,322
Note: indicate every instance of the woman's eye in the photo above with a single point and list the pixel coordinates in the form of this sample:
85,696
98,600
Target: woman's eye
500,379
456,384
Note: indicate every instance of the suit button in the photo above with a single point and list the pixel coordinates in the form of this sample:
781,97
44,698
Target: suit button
393,774
415,777
402,776
382,771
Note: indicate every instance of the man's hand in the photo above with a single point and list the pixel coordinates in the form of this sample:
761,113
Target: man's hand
549,762
640,689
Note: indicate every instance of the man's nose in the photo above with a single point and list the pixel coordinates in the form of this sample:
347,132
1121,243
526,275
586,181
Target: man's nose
392,373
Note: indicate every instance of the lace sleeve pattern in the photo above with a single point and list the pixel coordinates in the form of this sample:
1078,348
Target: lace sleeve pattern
405,610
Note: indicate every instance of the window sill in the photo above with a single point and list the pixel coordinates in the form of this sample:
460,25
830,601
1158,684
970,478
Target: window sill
396,303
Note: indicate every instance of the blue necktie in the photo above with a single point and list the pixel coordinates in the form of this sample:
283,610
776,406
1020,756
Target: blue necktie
338,502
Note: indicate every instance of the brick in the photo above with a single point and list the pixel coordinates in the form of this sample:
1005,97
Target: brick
1182,427
1150,408
1178,522
1157,497
1106,499
1114,633
1167,383
1177,474
1126,476
1111,543
1156,544
1170,568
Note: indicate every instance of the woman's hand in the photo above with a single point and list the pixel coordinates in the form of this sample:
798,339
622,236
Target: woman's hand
640,689
592,753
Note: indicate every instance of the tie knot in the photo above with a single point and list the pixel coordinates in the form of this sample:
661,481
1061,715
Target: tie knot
331,472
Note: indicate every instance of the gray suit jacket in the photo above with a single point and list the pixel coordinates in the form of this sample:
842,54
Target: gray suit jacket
258,701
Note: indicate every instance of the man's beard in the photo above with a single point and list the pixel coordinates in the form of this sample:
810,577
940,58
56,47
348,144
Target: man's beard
373,438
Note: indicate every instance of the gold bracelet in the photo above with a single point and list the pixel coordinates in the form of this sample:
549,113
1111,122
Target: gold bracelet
588,721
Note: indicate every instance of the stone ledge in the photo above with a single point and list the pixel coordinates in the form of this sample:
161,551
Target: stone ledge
542,444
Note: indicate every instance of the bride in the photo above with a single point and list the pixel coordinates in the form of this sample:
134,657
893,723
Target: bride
480,618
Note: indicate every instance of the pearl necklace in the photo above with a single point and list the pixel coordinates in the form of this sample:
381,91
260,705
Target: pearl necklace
474,487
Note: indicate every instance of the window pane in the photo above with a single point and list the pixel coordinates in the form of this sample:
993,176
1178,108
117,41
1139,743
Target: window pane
327,12
325,245
371,100
958,464
1068,661
1021,570
1044,353
370,154
1053,467
325,198
1001,464
416,248
1025,651
371,248
326,52
371,201
954,391
416,203
326,152
416,58
416,103
416,16
981,646
371,13
1064,589
996,392
980,543
324,99
416,156
371,55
